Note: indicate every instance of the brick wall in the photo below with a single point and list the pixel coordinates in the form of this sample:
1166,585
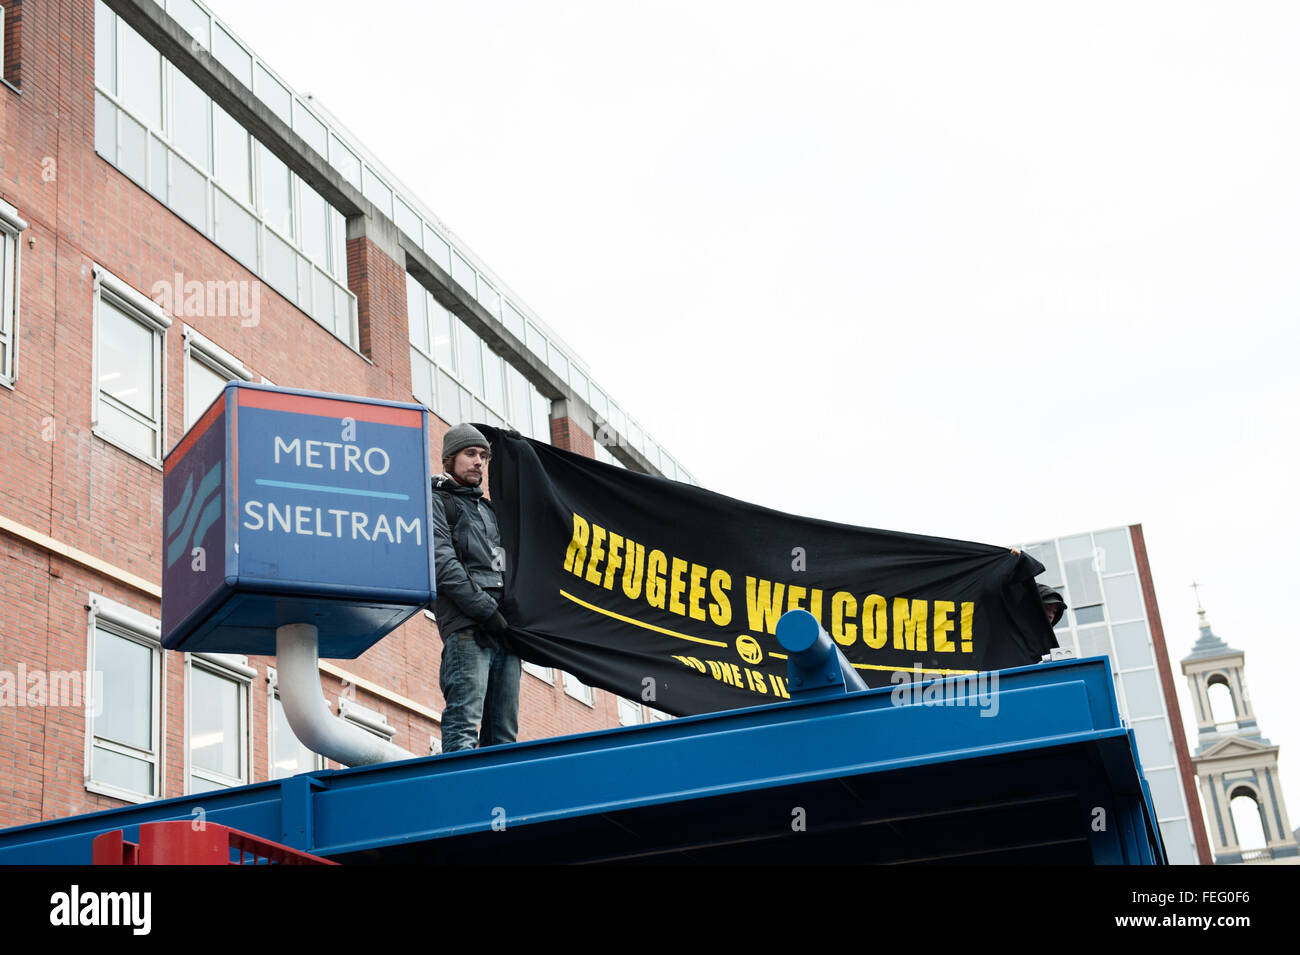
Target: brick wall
58,478
568,434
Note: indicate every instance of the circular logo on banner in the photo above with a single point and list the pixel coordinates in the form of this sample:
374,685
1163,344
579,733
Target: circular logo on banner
749,649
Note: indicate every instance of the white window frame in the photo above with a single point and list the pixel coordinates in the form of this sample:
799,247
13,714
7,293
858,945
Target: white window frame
545,674
626,709
11,227
273,694
149,314
372,721
127,624
207,352
578,690
227,666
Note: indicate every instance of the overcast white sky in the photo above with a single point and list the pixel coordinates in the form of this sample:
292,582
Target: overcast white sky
991,271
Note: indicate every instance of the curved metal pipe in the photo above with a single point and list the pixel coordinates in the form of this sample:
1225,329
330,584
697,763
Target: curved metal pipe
309,716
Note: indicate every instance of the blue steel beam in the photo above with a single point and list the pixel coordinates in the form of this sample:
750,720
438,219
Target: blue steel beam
1057,717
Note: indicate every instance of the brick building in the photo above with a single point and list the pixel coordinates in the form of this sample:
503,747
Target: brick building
174,215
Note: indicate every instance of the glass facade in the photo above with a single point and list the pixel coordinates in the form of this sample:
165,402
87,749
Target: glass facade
1097,574
363,171
604,455
162,131
459,378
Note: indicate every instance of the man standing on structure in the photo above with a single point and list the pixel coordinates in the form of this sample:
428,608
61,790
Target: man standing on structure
479,677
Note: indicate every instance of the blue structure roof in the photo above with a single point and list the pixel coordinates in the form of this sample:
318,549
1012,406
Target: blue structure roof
1030,765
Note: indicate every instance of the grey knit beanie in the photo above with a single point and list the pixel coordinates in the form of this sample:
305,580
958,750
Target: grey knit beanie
461,437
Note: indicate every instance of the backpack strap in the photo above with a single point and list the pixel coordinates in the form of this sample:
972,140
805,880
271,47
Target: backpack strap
450,509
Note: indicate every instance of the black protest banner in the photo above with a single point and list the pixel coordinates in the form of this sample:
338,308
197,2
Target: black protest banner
669,594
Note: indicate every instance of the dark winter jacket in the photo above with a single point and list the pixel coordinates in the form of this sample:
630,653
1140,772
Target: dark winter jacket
467,556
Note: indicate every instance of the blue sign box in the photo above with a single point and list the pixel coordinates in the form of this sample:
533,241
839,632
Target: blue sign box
283,506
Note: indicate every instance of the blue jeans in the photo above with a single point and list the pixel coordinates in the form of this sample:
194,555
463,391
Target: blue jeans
478,684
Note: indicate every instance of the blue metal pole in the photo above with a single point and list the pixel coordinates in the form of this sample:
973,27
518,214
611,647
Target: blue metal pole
815,662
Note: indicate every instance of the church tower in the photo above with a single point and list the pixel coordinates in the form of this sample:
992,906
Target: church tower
1232,759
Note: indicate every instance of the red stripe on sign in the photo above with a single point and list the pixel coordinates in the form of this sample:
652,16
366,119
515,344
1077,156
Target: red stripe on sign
193,435
234,455
330,407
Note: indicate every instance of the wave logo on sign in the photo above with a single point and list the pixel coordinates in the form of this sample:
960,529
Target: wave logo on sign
196,512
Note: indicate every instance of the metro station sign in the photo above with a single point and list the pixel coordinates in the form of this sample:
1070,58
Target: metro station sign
284,506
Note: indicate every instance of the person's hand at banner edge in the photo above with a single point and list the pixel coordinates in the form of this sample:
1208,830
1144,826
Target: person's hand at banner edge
496,624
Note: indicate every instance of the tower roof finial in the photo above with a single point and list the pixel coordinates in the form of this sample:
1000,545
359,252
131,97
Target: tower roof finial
1209,643
1200,610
